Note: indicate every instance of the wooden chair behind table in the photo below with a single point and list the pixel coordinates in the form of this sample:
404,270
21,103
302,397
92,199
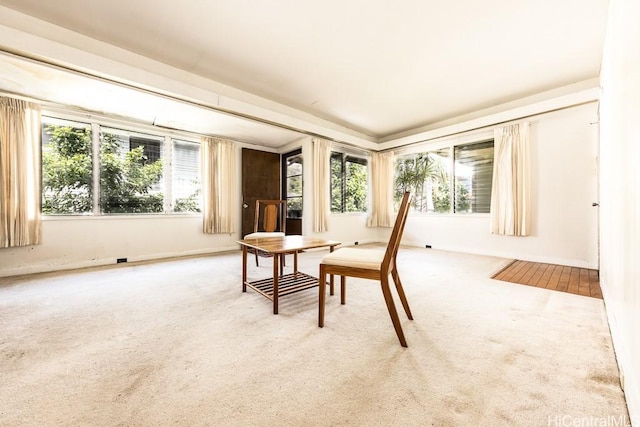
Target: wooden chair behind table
370,264
272,224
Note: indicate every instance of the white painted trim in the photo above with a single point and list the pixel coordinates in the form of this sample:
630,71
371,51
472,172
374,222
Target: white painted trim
500,114
511,254
630,385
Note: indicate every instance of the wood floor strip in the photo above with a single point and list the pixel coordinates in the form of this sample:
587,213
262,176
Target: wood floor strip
594,284
555,278
575,280
500,273
546,276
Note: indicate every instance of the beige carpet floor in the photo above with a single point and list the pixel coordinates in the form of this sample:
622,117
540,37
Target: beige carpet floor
178,343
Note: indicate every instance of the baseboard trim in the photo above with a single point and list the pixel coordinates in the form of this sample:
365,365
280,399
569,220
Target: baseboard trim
48,268
512,255
630,380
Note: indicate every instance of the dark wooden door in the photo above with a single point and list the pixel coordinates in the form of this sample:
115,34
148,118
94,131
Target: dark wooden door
260,180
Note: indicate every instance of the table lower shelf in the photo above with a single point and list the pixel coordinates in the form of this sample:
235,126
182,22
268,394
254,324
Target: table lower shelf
287,284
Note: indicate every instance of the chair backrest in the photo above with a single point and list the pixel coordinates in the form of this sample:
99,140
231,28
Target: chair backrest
273,215
398,229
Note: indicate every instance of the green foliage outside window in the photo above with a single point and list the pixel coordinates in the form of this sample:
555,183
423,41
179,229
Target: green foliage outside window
293,184
425,175
355,187
336,184
66,171
190,203
348,183
125,180
431,176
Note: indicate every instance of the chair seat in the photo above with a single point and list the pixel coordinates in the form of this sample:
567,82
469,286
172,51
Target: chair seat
368,259
264,235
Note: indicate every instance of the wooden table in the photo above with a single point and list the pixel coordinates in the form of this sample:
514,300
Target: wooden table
282,284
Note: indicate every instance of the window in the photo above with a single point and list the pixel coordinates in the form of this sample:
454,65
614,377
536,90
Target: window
348,183
151,148
129,182
466,171
293,183
427,177
186,177
473,177
66,167
125,178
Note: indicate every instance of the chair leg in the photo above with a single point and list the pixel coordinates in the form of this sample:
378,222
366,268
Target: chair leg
322,283
343,290
403,298
384,283
255,251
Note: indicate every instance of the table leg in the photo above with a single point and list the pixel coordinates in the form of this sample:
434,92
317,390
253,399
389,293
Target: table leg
276,263
295,262
282,258
244,268
331,276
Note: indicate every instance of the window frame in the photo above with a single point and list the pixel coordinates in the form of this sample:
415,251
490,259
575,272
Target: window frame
449,145
456,162
75,124
285,183
125,138
344,159
97,125
172,168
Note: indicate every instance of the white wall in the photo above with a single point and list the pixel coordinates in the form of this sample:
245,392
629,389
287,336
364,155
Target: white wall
84,242
564,185
620,192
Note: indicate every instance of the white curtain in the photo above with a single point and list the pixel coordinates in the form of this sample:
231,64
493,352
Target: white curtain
321,184
219,194
510,194
20,183
381,214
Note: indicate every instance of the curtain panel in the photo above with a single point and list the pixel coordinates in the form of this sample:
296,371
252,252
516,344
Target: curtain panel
511,194
381,213
321,184
219,194
20,182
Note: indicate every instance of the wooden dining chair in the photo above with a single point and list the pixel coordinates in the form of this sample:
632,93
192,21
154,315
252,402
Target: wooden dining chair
270,220
372,264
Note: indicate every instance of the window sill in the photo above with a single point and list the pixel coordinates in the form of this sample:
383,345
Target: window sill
348,214
119,217
450,215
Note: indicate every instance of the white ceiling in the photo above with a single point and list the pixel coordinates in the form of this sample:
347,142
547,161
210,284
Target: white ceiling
377,67
61,87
